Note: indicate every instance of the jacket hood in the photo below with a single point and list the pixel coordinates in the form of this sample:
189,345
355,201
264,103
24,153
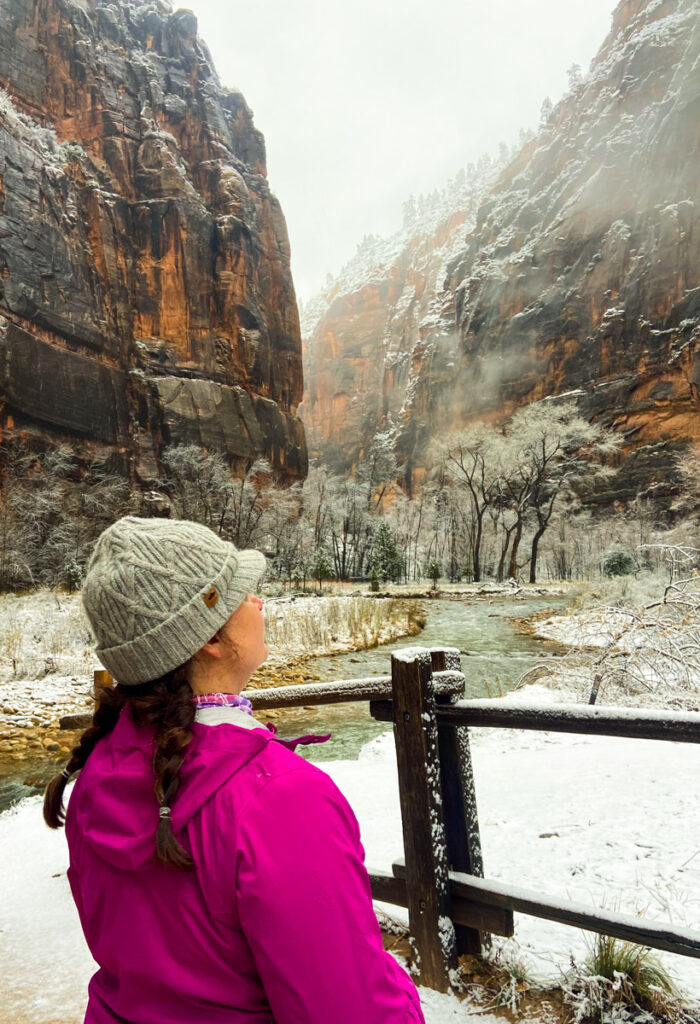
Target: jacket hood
118,812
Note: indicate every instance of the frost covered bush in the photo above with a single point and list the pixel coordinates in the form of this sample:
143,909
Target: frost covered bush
500,980
43,632
622,983
656,651
639,638
617,561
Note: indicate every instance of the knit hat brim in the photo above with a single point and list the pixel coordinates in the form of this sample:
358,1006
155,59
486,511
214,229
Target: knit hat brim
175,640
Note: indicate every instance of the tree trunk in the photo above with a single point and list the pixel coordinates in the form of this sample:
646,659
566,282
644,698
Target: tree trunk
477,552
504,553
533,555
513,564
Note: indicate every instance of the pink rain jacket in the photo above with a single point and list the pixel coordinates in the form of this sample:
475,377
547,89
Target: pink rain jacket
275,925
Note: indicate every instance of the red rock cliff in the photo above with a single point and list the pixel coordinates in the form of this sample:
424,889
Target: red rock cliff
581,272
145,290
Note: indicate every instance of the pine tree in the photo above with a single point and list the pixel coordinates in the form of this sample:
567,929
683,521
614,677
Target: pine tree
574,75
386,559
321,568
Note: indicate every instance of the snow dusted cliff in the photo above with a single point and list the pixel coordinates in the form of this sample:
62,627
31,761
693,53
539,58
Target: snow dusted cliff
577,270
146,296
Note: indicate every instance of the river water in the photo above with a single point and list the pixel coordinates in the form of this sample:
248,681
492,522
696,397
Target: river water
495,654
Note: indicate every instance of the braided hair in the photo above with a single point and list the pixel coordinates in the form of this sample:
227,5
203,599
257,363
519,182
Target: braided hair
165,704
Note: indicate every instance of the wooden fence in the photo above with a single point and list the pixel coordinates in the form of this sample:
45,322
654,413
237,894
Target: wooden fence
452,909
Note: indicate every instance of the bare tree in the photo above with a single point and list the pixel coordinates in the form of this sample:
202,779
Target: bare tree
351,527
200,484
205,489
470,459
688,469
562,455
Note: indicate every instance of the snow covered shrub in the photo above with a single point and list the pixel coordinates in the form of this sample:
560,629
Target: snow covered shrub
654,649
617,561
621,982
72,574
13,643
500,980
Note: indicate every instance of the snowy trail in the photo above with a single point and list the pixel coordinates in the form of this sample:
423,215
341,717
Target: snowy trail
609,822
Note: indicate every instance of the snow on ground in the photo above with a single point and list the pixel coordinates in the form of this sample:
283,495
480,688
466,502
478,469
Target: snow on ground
40,931
613,823
590,629
47,658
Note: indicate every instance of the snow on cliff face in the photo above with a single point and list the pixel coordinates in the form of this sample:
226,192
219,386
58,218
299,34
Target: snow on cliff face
578,271
146,295
367,327
426,223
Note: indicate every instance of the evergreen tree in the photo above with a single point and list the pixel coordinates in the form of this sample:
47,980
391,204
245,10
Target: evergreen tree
386,559
574,75
432,571
546,111
409,212
321,568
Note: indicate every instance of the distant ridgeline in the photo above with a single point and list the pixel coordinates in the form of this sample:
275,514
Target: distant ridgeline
572,268
145,291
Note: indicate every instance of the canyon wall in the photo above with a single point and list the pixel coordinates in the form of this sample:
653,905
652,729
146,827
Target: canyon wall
145,291
579,274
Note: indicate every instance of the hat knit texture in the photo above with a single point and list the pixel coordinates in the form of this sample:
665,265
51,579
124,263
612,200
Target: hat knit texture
156,590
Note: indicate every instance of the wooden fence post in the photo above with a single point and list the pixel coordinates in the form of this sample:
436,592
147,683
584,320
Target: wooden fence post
415,731
459,801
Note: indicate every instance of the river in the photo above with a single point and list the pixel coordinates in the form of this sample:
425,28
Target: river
495,654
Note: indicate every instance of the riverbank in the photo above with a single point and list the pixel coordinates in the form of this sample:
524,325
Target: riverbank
631,641
47,661
595,820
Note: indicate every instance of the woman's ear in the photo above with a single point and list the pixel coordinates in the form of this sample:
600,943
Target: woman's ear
211,649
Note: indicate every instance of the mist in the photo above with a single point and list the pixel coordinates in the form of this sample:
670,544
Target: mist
363,105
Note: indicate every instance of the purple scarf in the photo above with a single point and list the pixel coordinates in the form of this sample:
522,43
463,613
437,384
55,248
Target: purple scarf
234,700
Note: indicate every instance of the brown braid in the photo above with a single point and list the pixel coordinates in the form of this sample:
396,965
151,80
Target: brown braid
167,705
103,721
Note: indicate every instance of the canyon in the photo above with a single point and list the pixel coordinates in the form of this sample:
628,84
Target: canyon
571,269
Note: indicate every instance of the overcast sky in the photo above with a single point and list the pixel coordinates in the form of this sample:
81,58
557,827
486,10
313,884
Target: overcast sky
363,103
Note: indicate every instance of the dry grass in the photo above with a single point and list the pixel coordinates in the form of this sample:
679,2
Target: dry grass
41,633
621,981
310,625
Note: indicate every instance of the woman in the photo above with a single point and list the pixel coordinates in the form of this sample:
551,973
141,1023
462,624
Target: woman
219,877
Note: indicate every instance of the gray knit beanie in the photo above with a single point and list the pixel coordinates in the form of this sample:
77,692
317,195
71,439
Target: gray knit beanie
156,590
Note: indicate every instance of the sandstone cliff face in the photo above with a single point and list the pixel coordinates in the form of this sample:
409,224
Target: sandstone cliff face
367,334
145,290
582,271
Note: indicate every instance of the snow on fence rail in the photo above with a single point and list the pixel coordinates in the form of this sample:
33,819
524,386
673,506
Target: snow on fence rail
452,909
679,727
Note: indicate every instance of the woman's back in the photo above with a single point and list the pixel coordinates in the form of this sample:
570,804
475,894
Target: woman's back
279,889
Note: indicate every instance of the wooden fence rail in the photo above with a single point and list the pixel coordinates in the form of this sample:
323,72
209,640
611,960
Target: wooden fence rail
451,907
576,718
